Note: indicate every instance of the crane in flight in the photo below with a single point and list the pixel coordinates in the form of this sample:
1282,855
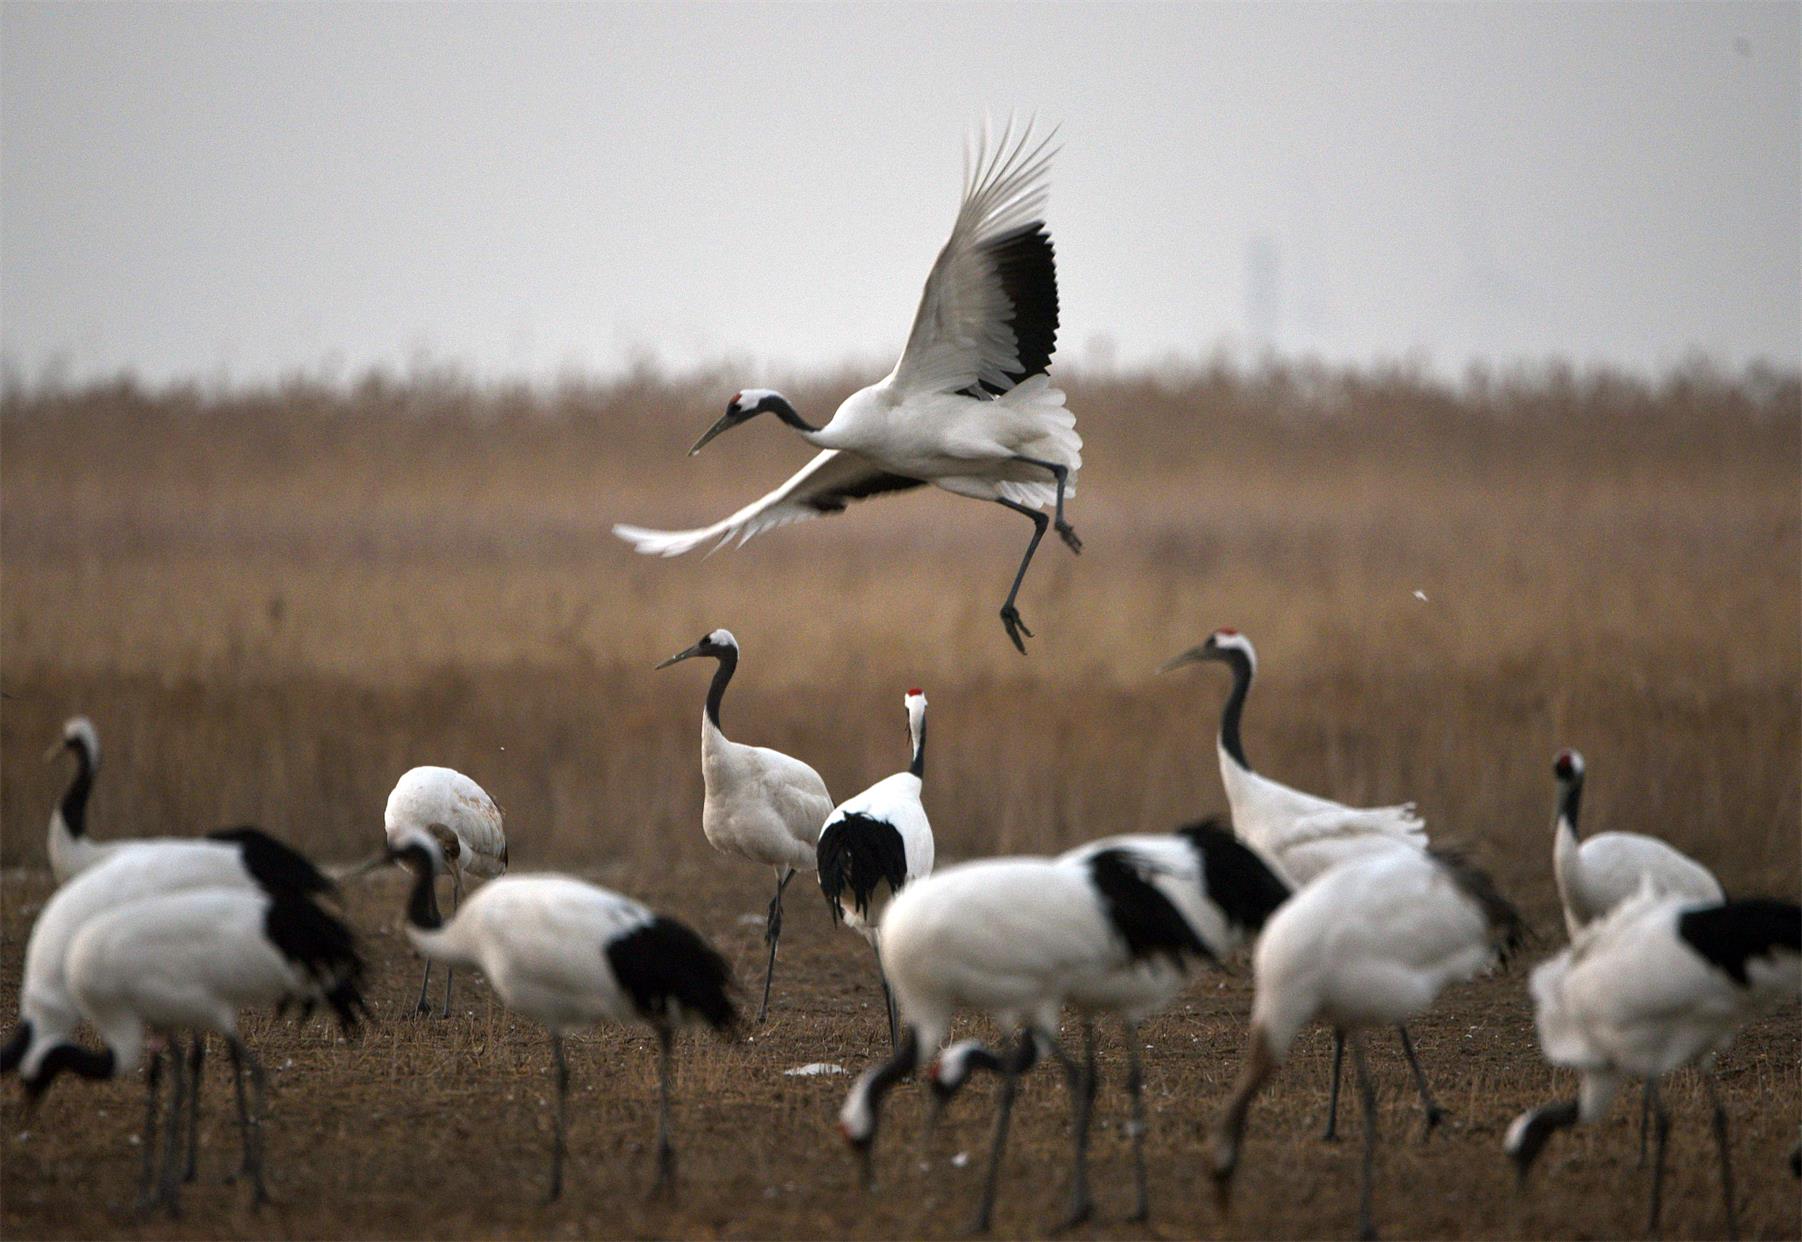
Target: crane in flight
970,406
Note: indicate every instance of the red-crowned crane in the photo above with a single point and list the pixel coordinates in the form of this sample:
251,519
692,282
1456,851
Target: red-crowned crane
1012,938
760,804
230,858
880,837
1659,983
1224,891
1597,874
1302,835
970,406
190,960
569,954
466,823
1369,942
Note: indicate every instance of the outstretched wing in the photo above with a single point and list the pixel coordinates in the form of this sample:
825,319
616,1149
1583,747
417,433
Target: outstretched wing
824,485
988,316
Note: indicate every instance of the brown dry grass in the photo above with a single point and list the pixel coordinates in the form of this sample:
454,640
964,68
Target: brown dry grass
272,603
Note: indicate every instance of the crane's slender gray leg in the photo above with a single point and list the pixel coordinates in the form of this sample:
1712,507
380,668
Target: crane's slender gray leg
1367,1092
1661,1130
1010,615
1435,1114
1135,1089
250,1120
558,1140
1081,1082
1720,1142
425,980
196,1059
1645,1123
1010,1080
1062,475
666,1150
888,1000
772,932
168,1191
153,1078
450,972
1331,1133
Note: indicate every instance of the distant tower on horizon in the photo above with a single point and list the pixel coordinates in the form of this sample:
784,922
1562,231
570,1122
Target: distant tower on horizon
1263,294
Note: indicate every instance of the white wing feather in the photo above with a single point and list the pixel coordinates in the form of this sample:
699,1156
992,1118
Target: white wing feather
961,334
824,485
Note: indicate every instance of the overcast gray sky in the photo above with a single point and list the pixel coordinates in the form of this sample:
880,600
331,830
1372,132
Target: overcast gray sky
235,191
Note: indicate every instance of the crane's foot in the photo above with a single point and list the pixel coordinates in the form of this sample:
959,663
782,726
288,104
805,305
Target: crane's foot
1436,1117
1068,532
1010,621
1078,1214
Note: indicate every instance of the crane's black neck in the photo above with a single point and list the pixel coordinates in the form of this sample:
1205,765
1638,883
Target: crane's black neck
75,800
787,413
422,903
1240,663
1570,797
722,677
918,766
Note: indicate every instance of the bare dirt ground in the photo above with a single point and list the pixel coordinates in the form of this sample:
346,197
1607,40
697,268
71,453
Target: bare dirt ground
273,604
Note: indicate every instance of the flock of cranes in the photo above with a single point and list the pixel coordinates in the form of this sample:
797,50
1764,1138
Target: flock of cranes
1354,919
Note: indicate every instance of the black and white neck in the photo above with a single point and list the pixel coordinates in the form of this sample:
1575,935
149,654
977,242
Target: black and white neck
78,738
1569,771
422,902
916,730
722,677
1240,662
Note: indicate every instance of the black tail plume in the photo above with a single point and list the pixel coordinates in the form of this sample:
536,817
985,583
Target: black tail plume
1143,916
1234,876
1505,922
323,947
859,852
275,865
669,970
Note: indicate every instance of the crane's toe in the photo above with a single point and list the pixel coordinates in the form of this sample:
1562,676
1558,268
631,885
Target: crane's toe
1010,620
1070,537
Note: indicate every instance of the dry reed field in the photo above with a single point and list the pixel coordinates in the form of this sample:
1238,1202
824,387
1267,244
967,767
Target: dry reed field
272,603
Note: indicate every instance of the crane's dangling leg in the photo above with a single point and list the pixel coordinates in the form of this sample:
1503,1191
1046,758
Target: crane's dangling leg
1331,1133
450,972
1062,475
1367,1092
153,1078
250,1118
557,1136
1661,1130
1021,1056
196,1058
1435,1114
772,932
666,1150
888,999
1720,1142
1135,1090
1010,616
1080,1080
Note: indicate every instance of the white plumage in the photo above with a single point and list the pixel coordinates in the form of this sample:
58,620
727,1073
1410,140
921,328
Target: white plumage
569,954
465,822
1369,942
190,960
1221,889
760,804
1596,875
1301,834
879,837
1013,938
1658,983
968,407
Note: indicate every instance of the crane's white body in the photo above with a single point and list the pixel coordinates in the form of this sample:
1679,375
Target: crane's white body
132,873
760,803
1630,998
894,801
428,796
924,421
1305,836
539,940
1369,942
186,960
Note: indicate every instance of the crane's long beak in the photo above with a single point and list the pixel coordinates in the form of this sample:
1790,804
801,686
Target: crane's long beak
680,655
358,870
1194,655
728,420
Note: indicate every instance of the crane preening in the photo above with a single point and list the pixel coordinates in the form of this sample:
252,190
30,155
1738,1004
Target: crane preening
969,408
